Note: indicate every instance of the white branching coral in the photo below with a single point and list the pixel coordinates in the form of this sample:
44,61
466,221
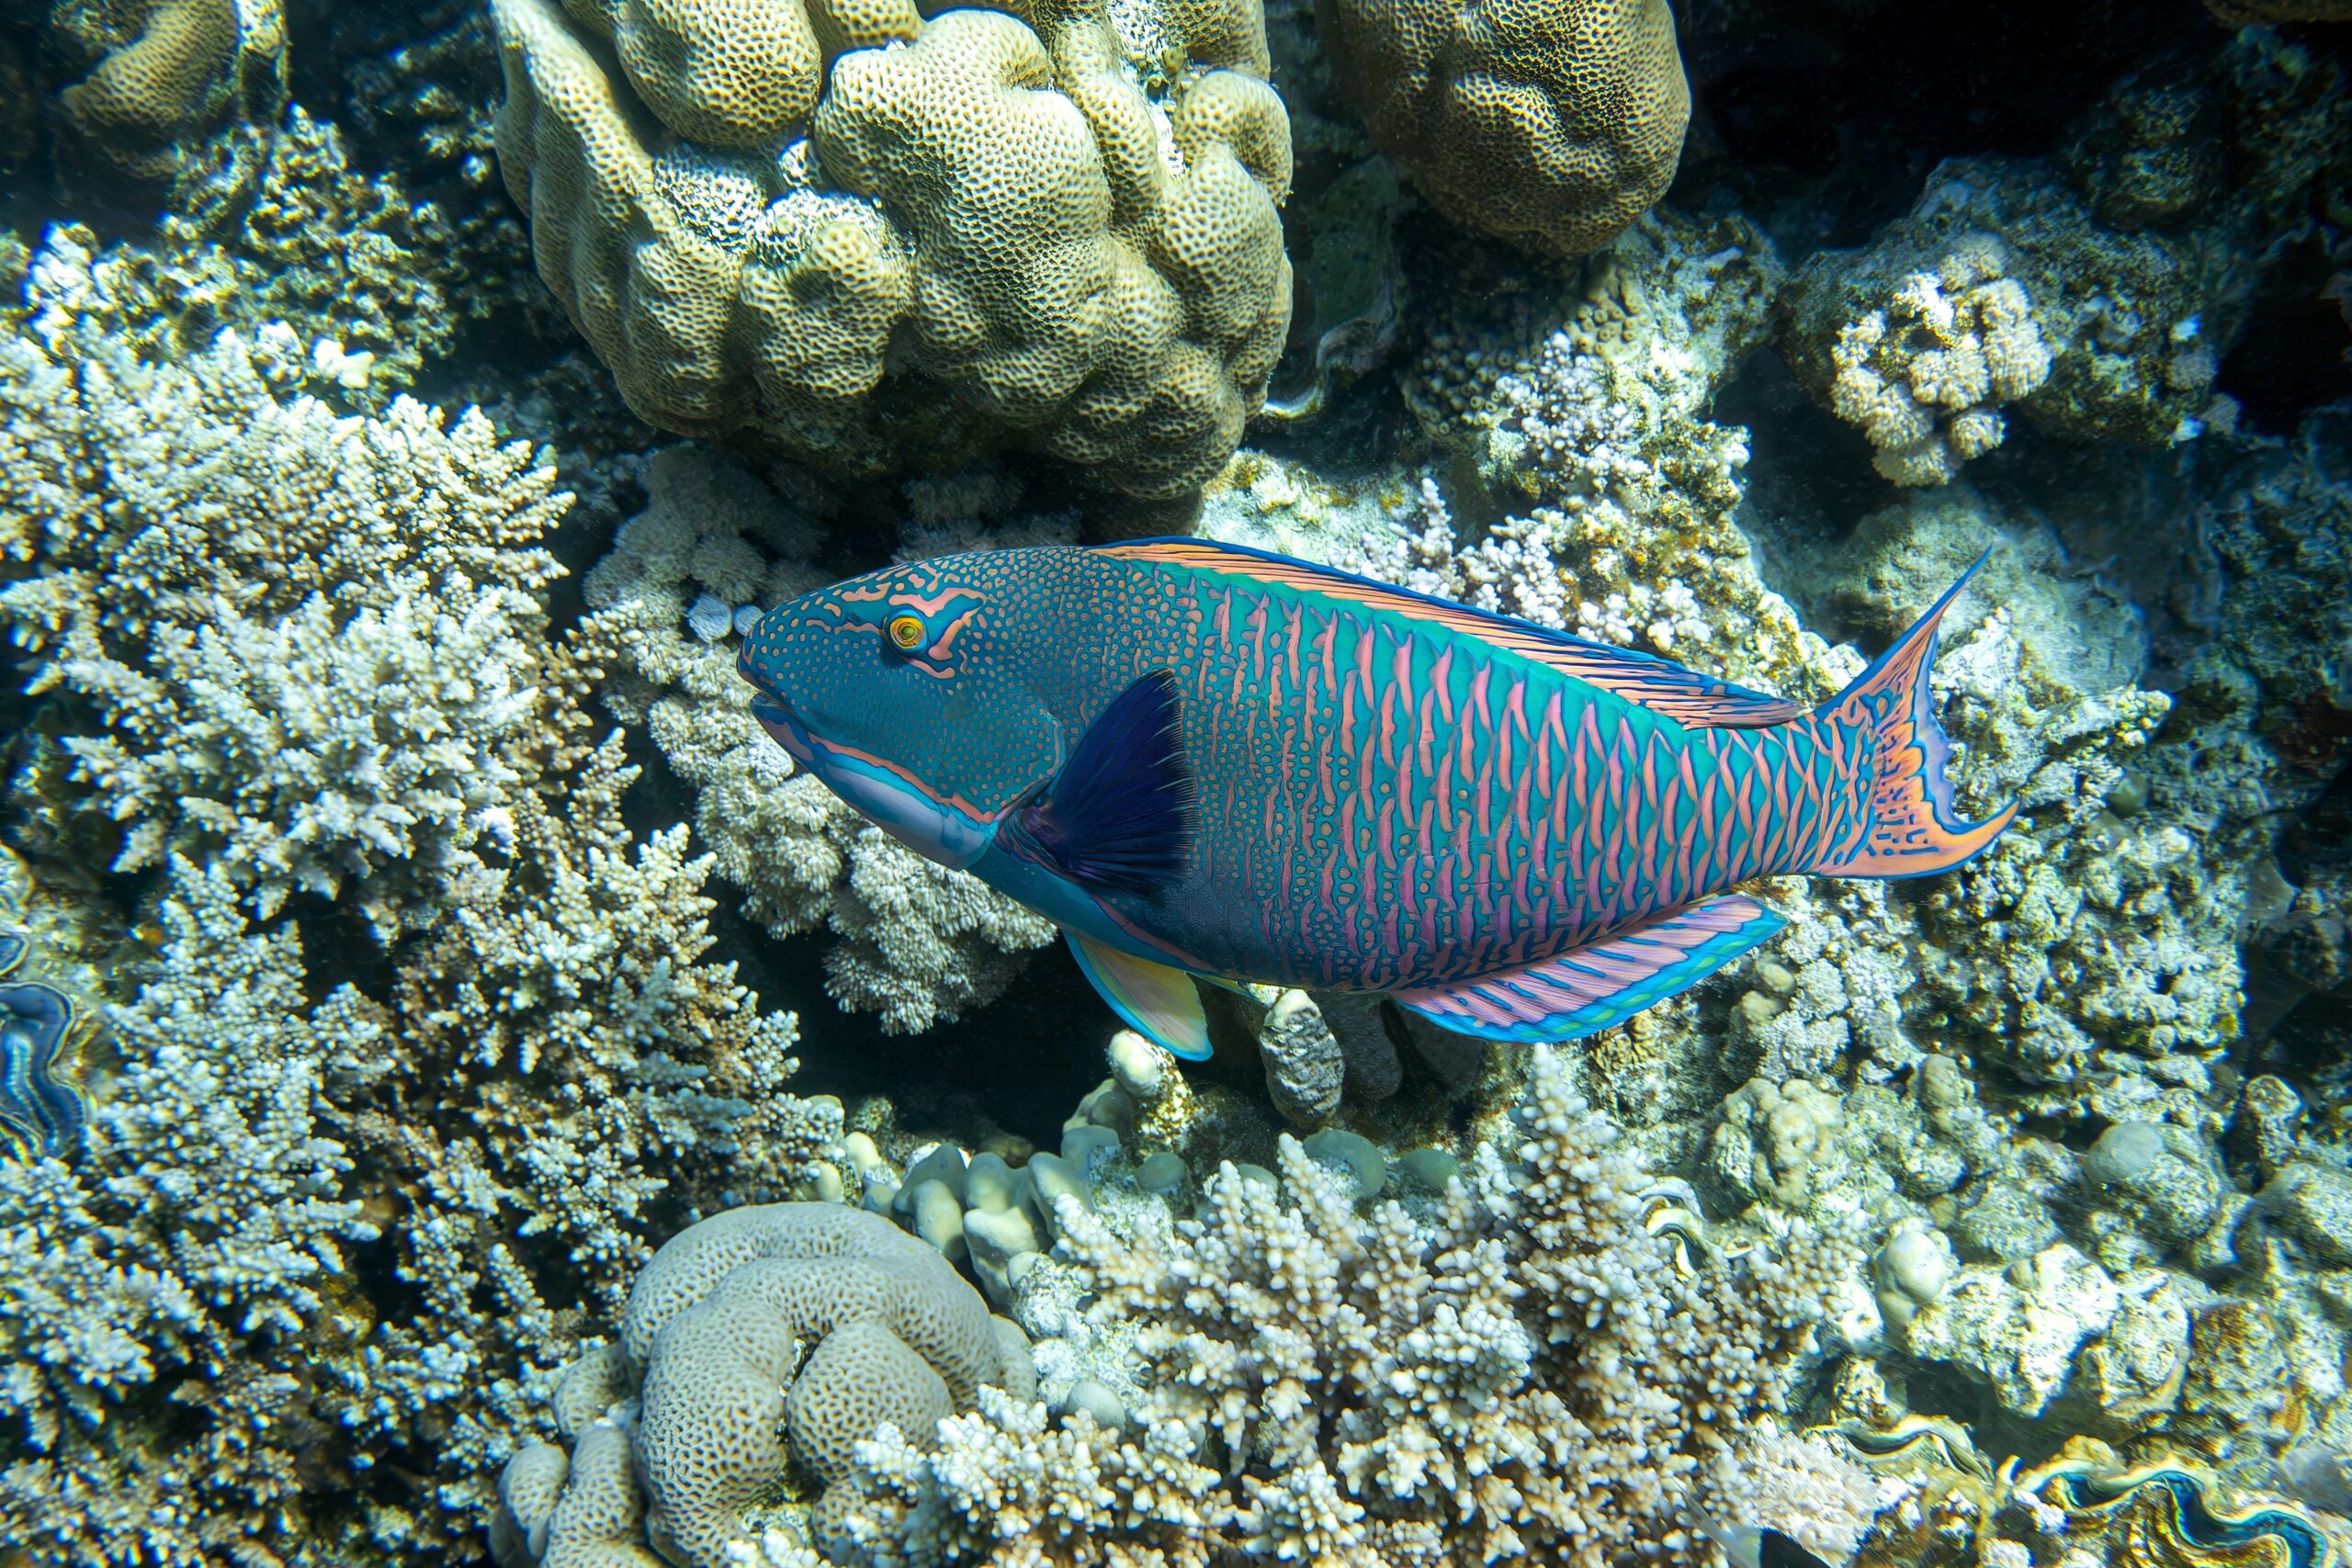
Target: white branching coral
205,1219
300,753
313,646
287,650
1513,1367
1600,429
152,492
1925,375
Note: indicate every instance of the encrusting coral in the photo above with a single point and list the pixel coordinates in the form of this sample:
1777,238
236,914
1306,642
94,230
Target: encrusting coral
872,237
1551,123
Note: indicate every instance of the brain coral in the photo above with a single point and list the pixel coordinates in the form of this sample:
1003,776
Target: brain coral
758,1336
1551,123
157,72
759,216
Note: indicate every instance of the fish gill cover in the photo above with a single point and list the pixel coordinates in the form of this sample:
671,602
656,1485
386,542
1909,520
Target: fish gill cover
471,1091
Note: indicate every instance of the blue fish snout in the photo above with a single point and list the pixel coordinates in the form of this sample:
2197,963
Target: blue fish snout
776,717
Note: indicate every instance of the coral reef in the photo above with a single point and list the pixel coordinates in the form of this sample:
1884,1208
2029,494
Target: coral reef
1551,123
318,1225
756,1340
394,1164
1598,425
1925,375
152,78
274,229
748,213
305,640
1391,1385
2090,332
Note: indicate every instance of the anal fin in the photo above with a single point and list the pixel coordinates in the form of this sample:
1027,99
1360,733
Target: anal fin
1158,1002
1591,987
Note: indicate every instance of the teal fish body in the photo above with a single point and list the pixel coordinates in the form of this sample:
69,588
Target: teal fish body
1204,760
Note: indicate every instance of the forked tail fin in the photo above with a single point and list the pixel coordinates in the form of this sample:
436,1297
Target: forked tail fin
1913,829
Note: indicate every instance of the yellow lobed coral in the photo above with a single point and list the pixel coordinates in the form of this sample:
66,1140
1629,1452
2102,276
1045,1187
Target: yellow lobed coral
1551,123
874,253
159,71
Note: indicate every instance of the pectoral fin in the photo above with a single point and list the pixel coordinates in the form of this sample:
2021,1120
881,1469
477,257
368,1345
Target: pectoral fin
1158,1003
1118,815
1590,988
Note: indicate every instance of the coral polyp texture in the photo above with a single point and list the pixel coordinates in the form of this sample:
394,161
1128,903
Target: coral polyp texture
758,1340
1551,123
152,78
873,237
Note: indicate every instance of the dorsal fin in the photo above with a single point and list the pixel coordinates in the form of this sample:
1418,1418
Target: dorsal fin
1700,702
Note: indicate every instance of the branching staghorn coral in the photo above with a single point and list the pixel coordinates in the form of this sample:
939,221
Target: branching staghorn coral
318,1227
311,753
1515,1367
314,644
278,225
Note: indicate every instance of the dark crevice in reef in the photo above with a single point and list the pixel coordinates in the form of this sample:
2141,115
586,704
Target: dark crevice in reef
2292,356
1021,1062
1827,116
1809,478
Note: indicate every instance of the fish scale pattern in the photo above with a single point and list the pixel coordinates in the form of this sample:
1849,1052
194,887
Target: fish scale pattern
1389,793
1406,807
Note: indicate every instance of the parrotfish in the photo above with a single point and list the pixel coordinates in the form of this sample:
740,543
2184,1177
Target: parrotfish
1203,761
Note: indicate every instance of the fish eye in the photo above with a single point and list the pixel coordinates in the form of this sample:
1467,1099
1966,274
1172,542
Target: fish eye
905,632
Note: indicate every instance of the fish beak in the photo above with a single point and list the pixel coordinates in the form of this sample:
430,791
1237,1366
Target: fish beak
783,728
909,814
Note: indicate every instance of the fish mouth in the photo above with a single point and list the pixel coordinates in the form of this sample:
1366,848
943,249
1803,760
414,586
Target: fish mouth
784,726
882,794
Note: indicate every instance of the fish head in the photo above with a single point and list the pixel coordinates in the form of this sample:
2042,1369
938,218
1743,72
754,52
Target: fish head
905,693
